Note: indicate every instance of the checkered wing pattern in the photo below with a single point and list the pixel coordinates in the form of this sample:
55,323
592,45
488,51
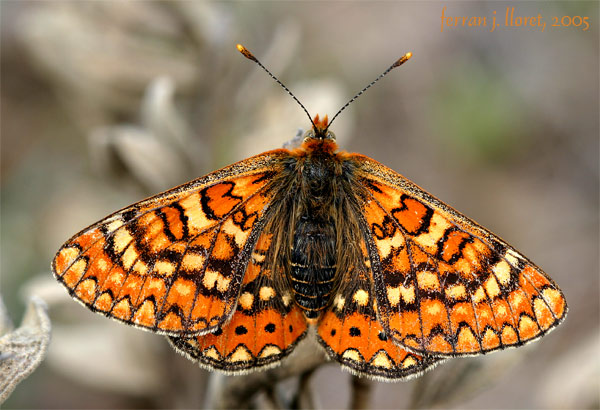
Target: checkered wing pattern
265,327
173,263
445,285
353,336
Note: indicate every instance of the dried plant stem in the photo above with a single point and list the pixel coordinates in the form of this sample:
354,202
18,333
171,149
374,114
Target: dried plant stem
238,391
361,393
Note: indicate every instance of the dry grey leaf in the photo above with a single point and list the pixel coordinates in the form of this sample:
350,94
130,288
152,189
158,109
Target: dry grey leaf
159,152
108,64
160,116
23,349
97,353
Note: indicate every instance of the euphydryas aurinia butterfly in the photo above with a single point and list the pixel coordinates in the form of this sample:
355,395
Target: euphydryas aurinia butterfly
238,265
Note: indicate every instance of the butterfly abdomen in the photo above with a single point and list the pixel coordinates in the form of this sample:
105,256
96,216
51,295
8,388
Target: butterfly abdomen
313,264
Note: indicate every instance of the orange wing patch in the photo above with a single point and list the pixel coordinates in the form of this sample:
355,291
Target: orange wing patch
265,327
445,285
173,263
352,335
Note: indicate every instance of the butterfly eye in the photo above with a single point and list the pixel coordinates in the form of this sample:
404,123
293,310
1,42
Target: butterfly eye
309,135
330,135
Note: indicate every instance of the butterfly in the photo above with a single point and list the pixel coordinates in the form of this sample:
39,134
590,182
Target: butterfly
238,266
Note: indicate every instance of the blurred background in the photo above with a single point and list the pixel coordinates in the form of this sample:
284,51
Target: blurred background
104,103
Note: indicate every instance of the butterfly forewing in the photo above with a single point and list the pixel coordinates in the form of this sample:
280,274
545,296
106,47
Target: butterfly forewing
173,263
444,284
265,327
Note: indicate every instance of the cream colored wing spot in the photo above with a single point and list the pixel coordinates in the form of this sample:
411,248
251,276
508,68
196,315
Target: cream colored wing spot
491,287
407,293
182,288
479,295
212,353
121,240
381,359
542,313
145,315
361,297
240,354
456,292
489,337
386,245
527,326
393,295
467,338
265,293
114,225
339,302
501,310
258,258
214,279
509,336
122,309
104,302
164,268
269,351
554,300
129,257
435,308
246,300
286,298
192,261
140,267
67,256
409,361
428,281
437,228
464,268
352,354
234,231
512,258
196,218
502,272
517,299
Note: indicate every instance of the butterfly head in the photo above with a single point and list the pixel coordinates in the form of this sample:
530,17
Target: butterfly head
320,130
319,136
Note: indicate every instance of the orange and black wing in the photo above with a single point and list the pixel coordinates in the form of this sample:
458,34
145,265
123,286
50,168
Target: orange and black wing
173,263
444,284
352,335
265,327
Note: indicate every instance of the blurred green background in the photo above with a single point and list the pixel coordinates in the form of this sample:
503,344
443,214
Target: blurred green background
104,103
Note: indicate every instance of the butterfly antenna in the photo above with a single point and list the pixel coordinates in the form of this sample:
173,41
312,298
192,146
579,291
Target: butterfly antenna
397,63
250,56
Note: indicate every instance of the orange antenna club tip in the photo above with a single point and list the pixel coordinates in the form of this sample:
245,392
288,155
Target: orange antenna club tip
246,52
402,60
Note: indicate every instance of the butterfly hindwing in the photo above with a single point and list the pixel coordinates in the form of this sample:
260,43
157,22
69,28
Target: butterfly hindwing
265,327
352,335
173,263
444,284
